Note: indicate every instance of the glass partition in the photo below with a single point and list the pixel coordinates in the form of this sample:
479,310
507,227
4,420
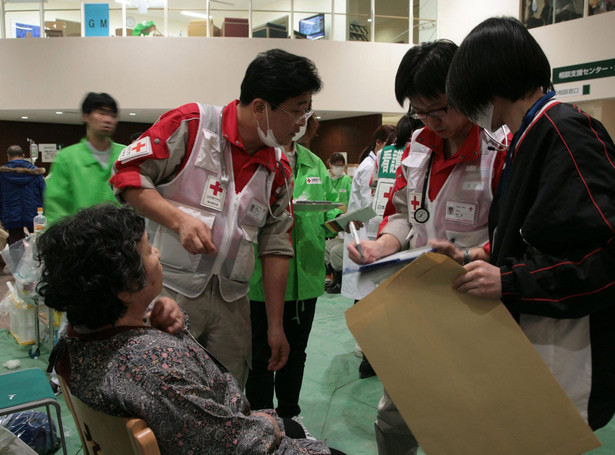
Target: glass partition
536,13
358,20
424,24
392,24
189,18
62,18
232,19
300,19
22,19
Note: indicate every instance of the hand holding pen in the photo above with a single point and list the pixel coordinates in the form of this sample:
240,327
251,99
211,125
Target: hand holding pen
357,240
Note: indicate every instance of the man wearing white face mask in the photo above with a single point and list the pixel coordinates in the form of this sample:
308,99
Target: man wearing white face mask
213,182
334,247
306,275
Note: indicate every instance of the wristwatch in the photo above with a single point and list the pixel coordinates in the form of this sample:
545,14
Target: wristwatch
467,258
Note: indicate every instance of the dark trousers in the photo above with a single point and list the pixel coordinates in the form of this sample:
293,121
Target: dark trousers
298,318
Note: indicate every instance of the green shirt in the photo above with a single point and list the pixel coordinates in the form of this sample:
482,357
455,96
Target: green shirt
306,272
77,180
342,186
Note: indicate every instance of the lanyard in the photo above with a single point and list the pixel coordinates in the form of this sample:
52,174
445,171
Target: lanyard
224,178
421,215
527,120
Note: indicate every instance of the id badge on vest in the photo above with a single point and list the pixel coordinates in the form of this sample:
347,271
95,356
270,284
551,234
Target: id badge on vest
257,211
214,194
463,212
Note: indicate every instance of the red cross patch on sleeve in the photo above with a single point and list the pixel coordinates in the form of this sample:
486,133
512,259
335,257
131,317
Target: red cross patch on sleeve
138,149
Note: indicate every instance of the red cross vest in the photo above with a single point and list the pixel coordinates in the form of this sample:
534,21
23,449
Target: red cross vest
461,208
205,189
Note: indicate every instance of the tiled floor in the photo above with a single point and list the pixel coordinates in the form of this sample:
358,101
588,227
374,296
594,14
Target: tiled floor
337,405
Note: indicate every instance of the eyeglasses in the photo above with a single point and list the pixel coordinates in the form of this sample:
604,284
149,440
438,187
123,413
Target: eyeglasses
299,117
437,113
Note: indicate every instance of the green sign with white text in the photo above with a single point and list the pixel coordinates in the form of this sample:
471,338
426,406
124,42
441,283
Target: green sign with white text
584,71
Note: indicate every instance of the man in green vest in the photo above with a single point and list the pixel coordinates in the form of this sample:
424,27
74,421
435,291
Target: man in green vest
306,275
79,176
334,248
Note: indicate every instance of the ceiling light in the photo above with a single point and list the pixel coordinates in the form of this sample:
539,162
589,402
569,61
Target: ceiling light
193,14
369,20
318,117
132,113
24,117
59,112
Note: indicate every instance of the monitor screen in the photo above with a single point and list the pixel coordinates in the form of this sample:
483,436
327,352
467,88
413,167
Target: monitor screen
27,30
313,27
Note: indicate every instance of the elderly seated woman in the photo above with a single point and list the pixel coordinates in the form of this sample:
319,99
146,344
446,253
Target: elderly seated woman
100,268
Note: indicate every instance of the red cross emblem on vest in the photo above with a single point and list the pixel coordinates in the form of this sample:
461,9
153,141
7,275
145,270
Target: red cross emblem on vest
415,202
216,188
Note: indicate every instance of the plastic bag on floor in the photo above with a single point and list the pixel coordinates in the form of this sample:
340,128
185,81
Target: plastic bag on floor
32,427
12,254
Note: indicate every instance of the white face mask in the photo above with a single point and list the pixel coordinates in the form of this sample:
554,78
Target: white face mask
269,138
337,171
485,118
300,134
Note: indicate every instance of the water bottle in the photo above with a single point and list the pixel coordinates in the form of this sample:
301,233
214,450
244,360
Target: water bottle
40,221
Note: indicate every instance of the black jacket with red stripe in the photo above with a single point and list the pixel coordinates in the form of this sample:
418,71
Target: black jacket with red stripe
552,235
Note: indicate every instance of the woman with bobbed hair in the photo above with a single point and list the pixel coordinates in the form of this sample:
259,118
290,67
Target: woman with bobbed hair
100,268
552,221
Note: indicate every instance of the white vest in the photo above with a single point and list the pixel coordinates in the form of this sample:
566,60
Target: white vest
461,209
235,219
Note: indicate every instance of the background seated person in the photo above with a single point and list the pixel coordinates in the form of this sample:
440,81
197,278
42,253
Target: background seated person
145,28
100,268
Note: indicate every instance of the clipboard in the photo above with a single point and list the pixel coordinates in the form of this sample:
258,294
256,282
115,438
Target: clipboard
397,258
315,206
339,224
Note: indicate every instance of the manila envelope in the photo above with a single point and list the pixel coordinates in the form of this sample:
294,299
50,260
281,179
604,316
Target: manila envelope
460,370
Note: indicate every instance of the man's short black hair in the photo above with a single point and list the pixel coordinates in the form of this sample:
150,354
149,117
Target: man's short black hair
95,101
276,75
89,258
498,58
14,150
422,72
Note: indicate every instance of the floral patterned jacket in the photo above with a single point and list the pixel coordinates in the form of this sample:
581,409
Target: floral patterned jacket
191,402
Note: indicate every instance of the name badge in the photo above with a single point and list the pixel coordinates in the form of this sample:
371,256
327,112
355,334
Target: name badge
313,180
214,194
138,149
257,211
460,211
473,186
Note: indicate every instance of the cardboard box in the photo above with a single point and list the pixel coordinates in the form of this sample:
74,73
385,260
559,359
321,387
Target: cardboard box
198,27
235,27
68,28
270,30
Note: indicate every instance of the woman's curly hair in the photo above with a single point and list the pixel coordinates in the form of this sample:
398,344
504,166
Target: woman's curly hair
87,260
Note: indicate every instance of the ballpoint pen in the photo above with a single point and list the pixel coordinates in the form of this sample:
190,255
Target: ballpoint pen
357,240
